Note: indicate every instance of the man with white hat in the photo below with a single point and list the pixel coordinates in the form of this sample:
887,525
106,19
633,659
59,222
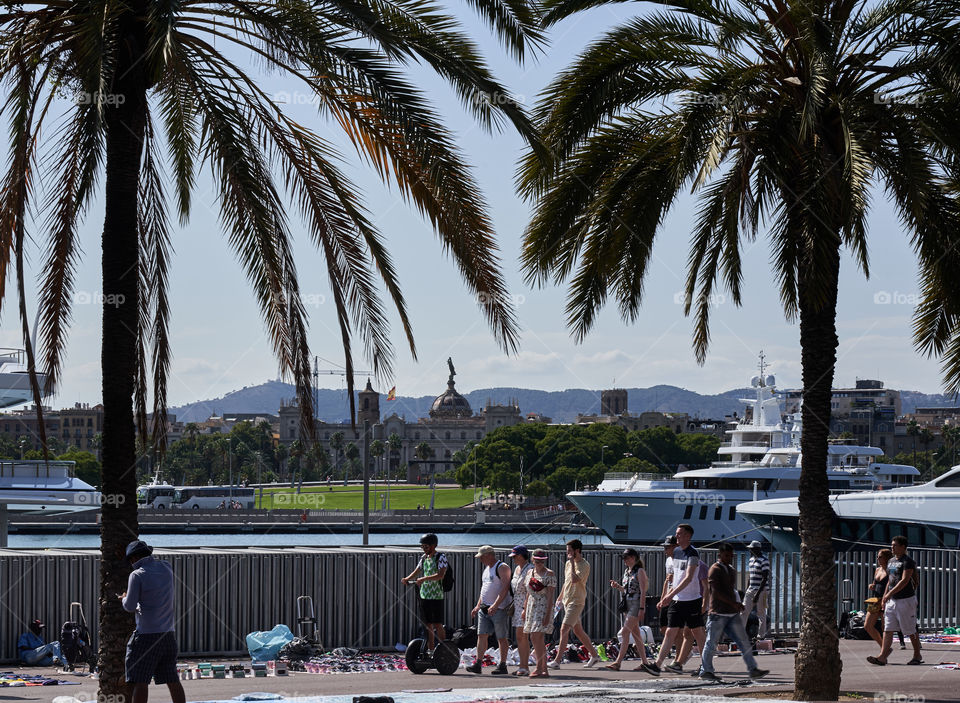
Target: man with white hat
758,589
495,598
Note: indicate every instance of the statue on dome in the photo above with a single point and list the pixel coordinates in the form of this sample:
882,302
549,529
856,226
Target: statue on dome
453,371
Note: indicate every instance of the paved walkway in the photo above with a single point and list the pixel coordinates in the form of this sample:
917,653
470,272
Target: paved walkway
895,683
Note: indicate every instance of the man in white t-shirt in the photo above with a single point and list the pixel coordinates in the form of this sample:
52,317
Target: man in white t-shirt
684,601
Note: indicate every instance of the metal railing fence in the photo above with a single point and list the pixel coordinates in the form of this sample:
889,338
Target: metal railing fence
223,594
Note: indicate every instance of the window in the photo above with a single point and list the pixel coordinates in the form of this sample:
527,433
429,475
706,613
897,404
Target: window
479,435
718,513
416,435
703,512
463,435
89,422
687,512
733,513
952,481
448,435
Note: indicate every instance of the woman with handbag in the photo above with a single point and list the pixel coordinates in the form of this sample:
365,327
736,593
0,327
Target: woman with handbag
633,592
521,559
876,590
538,610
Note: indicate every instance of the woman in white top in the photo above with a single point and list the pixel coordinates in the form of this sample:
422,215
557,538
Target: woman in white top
521,560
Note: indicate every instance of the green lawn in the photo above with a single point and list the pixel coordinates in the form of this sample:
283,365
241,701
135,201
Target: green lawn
351,498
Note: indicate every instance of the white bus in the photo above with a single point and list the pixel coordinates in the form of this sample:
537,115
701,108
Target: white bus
155,496
213,497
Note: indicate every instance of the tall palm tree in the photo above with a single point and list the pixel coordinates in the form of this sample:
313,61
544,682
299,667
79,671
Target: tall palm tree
336,444
782,115
377,450
351,452
166,87
423,452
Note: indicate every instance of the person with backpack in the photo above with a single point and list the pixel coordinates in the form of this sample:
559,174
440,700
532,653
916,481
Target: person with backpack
492,608
518,585
434,571
152,648
899,603
34,651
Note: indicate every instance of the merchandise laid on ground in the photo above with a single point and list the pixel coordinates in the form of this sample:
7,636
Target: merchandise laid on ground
11,679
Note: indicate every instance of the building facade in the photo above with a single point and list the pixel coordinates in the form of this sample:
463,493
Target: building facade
450,426
79,427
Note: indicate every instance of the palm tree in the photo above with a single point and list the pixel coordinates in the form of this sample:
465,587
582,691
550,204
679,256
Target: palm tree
336,444
351,452
913,430
423,452
377,450
780,112
169,84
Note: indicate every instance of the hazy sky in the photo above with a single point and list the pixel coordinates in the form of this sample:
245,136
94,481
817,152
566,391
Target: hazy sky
218,337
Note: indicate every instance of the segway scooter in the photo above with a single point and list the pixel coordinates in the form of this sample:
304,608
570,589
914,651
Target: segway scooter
445,659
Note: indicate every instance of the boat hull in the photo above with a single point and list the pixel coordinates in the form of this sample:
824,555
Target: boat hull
645,518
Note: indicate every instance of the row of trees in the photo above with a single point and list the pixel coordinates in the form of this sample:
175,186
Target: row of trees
554,459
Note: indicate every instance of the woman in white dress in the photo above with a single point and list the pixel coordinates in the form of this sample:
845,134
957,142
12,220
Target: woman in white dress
538,610
522,568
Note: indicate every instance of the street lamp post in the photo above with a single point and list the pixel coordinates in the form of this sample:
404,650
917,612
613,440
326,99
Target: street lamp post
602,449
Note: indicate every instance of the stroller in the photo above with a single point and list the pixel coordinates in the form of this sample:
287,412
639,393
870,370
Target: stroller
75,645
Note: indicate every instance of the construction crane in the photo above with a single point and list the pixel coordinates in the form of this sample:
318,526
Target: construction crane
318,372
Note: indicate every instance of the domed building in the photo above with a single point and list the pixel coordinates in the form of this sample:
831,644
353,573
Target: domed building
450,425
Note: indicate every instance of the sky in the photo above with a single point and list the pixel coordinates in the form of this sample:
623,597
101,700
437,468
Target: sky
218,336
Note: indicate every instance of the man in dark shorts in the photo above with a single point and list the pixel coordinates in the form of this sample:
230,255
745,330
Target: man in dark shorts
433,566
683,600
152,649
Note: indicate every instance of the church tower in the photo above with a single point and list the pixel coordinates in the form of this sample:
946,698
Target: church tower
369,406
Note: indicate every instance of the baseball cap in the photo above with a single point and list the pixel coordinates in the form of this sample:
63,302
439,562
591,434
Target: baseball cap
539,554
670,541
755,544
521,550
138,547
485,549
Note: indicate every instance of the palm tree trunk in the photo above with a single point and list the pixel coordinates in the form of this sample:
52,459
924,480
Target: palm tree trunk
817,665
125,120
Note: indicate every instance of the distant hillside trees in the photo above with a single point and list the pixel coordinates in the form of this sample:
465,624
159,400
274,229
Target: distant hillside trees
558,458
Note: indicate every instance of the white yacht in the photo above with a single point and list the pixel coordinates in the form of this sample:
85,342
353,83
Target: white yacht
44,487
15,379
761,460
928,515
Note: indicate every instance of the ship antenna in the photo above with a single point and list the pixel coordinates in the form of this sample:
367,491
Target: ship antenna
763,367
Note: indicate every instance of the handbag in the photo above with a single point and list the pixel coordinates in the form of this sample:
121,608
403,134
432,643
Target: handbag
622,606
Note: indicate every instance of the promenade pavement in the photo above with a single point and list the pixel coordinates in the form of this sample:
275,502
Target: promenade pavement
895,683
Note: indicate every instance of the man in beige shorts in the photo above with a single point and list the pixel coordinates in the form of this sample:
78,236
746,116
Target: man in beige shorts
573,597
899,603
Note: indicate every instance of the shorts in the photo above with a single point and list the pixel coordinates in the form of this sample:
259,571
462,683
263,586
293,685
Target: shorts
572,613
152,655
497,624
685,613
431,611
663,617
633,607
900,615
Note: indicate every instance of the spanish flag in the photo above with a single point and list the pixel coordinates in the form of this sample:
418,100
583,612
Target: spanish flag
392,393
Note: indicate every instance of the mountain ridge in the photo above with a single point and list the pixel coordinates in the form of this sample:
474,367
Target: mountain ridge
560,406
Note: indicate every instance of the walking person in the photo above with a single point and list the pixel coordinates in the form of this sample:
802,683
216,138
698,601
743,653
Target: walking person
725,618
685,650
152,648
758,589
684,599
522,569
899,603
573,597
433,567
877,589
633,590
538,610
491,608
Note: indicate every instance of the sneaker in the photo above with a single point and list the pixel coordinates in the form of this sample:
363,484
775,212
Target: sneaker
553,664
759,673
592,662
710,676
903,645
475,668
651,669
500,670
674,666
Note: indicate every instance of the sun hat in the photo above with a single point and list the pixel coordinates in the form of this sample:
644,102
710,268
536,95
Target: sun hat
540,554
522,550
485,549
